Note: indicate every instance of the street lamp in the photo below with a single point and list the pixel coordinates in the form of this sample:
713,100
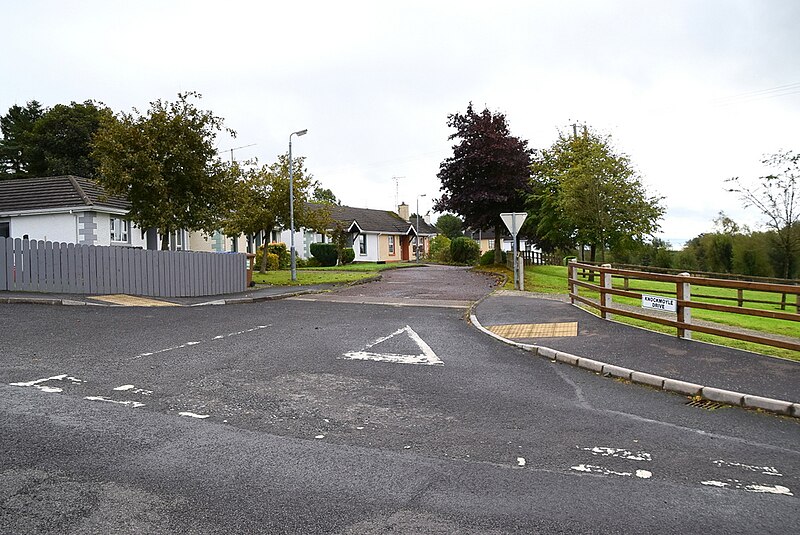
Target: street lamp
418,196
291,203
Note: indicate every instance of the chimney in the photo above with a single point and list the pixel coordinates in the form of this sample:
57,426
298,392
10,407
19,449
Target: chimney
402,211
427,218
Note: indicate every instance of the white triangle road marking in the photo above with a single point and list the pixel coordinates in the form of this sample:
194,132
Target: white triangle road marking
427,357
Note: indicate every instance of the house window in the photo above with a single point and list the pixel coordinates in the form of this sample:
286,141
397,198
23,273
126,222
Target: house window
391,245
5,231
119,229
362,244
177,240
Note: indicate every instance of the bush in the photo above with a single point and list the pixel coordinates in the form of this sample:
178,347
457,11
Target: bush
279,249
300,262
272,262
312,263
325,253
487,258
348,255
440,249
464,250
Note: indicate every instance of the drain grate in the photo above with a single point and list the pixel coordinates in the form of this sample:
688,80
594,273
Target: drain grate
706,404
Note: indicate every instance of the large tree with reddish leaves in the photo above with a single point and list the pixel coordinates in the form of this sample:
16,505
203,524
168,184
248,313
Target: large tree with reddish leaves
488,173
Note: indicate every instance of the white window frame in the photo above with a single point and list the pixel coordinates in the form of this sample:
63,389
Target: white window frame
119,229
391,246
362,244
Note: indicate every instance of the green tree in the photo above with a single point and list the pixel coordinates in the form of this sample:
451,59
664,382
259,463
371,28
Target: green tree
488,173
165,163
62,140
324,195
597,197
777,197
261,200
450,226
15,147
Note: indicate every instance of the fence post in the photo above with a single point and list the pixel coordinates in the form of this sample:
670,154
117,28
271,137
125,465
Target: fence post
605,297
572,274
740,297
684,293
521,276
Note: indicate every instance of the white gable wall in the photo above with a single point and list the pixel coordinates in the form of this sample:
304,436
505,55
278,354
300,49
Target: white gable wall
66,227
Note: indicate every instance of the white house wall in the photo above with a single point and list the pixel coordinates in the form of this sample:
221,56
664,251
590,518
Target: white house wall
92,228
61,228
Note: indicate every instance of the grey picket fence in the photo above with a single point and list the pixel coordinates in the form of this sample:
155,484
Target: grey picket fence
43,266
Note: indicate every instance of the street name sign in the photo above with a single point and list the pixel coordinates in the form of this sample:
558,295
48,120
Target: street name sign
659,303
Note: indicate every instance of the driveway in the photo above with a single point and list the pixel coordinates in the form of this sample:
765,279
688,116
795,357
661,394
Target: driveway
427,285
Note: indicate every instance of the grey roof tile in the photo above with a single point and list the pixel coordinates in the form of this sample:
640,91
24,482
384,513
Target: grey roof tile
23,194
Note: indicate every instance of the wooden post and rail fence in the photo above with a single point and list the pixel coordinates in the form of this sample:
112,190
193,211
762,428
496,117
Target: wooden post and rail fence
688,296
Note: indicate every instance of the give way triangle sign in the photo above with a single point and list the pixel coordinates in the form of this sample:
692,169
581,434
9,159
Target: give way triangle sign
426,355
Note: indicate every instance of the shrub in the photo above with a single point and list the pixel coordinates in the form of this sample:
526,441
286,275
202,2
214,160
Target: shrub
348,255
464,250
300,262
487,258
440,249
312,263
279,249
325,253
272,262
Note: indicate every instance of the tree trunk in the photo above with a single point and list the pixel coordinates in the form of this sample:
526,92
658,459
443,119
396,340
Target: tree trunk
498,251
165,240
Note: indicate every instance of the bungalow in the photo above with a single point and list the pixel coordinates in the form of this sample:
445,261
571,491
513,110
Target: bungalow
72,209
378,235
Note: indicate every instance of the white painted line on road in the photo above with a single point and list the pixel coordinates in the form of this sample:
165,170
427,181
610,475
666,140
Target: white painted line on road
753,487
427,357
133,404
603,451
595,469
318,437
766,470
520,461
193,415
194,343
124,387
37,383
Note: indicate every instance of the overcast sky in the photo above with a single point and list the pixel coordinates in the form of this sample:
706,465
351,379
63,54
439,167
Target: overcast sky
693,91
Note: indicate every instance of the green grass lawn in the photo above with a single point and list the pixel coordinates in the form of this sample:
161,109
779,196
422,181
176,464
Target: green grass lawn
323,275
553,279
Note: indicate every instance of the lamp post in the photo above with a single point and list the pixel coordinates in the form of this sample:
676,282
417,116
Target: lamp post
291,203
418,196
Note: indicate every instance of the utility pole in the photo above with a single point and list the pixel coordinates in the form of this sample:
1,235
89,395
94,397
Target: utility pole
575,130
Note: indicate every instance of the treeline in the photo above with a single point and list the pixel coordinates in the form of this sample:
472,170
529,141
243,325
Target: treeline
729,249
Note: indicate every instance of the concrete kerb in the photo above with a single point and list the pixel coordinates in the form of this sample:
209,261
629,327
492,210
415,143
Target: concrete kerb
786,408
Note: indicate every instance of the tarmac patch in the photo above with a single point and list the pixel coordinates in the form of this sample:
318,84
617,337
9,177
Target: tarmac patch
536,330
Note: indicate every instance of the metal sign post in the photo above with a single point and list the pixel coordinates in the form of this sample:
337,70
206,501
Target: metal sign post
514,221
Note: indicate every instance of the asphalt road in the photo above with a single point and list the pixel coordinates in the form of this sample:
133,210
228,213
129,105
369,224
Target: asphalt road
301,417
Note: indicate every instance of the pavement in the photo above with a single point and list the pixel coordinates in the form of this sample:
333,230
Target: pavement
258,293
563,332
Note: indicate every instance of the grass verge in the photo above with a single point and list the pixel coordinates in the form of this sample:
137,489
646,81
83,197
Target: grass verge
326,275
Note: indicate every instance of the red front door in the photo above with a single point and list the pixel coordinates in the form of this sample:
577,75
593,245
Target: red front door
404,243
